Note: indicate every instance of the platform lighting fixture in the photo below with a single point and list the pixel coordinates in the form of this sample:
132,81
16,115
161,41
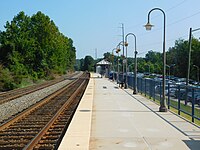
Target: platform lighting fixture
113,58
135,91
117,51
148,26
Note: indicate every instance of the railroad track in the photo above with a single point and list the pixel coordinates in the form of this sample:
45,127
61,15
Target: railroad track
13,94
43,125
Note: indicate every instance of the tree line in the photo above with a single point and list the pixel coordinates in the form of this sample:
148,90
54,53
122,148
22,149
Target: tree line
32,48
176,58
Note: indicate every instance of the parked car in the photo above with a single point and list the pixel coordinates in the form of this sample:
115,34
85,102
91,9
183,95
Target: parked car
180,94
180,81
196,97
158,89
172,91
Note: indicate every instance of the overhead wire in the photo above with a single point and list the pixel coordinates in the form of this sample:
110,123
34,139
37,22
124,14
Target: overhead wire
171,8
180,20
168,25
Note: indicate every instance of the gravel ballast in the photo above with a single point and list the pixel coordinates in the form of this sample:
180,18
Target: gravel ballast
17,105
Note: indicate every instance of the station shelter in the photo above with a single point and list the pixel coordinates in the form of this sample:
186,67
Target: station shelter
103,68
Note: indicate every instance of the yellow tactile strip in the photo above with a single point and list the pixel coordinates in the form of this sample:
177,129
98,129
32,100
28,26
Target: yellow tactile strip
78,134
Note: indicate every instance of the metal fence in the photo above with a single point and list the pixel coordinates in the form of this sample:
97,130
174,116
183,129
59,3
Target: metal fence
185,99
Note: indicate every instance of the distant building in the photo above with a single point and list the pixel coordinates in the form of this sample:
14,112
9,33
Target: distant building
103,67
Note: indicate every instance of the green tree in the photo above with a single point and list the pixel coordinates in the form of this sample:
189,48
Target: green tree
178,55
88,63
34,47
107,56
153,57
154,60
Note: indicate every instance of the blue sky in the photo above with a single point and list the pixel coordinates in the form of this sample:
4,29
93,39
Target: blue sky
95,24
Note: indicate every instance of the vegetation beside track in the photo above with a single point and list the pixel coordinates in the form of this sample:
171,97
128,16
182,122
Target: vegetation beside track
32,48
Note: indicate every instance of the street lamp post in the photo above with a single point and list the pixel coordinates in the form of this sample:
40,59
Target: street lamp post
113,62
122,53
135,91
197,73
148,26
117,51
123,61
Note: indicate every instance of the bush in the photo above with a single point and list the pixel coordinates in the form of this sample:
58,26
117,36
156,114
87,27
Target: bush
6,80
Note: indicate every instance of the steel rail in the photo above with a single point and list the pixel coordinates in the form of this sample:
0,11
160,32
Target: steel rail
33,107
32,144
21,133
7,96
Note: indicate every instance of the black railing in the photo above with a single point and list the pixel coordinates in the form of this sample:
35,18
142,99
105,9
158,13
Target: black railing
184,98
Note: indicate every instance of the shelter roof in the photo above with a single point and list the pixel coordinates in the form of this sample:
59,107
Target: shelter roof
104,62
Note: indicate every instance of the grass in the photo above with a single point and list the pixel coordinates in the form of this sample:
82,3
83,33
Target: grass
187,109
183,107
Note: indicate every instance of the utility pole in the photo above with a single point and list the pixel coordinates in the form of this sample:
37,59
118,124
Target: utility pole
96,53
122,27
189,58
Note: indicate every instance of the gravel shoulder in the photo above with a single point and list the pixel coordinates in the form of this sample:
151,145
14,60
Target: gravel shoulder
7,110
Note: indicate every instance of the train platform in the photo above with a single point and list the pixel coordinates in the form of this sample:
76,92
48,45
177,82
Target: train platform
111,118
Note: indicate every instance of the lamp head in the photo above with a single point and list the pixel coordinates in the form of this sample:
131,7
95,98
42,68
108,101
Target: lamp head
118,50
148,26
126,44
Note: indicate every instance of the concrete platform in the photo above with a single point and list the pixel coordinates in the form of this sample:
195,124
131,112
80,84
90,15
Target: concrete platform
111,118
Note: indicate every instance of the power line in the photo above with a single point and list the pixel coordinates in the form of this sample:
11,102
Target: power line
168,25
196,32
173,22
169,40
180,20
173,7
